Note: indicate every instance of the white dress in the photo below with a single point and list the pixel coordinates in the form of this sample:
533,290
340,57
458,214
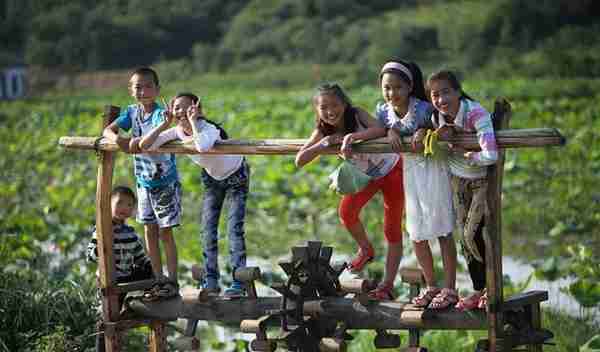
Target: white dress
427,191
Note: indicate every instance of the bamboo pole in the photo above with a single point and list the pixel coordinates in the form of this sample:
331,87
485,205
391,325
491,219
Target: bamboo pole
104,232
517,138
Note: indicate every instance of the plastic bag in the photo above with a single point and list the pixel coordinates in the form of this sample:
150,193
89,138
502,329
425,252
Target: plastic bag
348,179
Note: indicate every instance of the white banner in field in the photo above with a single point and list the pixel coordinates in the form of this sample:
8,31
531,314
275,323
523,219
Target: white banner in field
13,83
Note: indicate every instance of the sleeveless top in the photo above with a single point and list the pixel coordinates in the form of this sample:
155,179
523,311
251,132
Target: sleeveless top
376,165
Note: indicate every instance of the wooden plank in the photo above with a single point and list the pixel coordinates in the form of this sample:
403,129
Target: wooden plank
518,138
524,299
104,232
493,235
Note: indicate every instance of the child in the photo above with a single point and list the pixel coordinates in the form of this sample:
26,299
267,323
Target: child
429,213
224,176
468,170
131,262
338,121
158,187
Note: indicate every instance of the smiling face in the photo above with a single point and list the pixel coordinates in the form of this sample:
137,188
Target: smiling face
144,89
330,109
395,91
122,206
444,97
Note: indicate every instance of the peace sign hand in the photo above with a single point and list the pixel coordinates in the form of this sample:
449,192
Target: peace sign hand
193,111
168,114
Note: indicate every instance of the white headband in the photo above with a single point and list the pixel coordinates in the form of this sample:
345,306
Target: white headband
398,66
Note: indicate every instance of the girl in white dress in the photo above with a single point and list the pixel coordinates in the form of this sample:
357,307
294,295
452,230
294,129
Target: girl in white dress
429,213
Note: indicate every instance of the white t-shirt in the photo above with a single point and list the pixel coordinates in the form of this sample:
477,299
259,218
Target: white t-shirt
219,166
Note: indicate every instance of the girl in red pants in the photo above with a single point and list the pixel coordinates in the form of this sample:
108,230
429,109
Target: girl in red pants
337,121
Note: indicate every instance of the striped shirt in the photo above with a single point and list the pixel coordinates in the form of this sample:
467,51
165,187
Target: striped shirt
472,117
151,170
127,248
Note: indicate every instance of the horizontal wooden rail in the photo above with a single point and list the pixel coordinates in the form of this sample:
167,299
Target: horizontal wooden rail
517,138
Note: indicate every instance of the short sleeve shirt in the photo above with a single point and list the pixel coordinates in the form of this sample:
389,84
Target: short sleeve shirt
151,170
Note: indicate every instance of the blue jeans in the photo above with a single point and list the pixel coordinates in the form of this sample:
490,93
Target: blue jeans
234,189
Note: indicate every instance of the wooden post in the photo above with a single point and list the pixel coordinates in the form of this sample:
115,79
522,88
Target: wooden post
493,235
104,231
158,336
536,322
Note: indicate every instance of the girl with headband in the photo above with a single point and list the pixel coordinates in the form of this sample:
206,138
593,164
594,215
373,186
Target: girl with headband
429,214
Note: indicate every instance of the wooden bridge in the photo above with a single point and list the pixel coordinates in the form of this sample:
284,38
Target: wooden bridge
315,309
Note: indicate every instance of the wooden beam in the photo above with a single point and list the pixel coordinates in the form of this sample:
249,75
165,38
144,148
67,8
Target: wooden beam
104,233
493,233
524,299
378,315
520,138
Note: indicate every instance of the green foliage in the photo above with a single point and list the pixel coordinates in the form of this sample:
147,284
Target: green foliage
569,333
44,314
496,36
550,200
593,345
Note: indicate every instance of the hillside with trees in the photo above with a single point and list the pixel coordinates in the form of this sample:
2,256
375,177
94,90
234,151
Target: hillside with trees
547,38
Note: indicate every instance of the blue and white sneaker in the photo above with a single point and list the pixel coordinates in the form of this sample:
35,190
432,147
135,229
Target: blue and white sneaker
210,287
236,289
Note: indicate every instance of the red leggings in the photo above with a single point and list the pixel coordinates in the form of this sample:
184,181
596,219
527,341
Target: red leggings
393,203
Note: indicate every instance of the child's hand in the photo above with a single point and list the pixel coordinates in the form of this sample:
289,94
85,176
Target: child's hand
330,140
445,132
134,145
168,118
417,139
192,114
123,143
395,140
346,147
168,114
458,149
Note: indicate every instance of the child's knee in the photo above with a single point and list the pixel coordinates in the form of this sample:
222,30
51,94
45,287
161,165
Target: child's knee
348,215
393,238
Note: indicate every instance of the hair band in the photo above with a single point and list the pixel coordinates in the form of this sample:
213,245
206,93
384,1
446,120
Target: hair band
397,66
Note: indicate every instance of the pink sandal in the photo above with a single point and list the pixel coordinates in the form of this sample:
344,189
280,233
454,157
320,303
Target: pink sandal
363,258
425,297
446,298
382,293
470,302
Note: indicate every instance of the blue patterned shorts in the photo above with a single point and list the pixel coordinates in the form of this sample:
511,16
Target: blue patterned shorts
160,205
